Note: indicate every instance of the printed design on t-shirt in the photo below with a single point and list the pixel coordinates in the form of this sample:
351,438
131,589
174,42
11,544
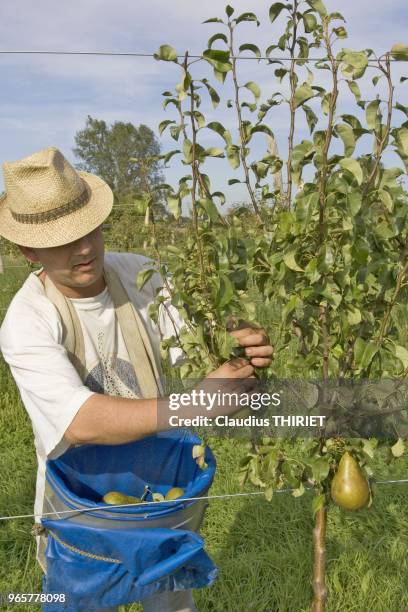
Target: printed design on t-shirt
112,375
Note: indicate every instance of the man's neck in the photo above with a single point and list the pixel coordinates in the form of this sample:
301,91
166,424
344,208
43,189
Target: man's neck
77,292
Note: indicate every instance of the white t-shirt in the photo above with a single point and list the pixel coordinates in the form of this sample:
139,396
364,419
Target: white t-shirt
50,387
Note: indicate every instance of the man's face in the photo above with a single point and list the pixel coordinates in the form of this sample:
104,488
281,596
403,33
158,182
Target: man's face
75,268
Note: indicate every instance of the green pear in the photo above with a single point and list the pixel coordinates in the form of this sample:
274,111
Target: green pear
174,493
349,487
116,498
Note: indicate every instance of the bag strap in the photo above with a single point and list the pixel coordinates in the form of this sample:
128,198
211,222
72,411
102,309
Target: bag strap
135,336
72,336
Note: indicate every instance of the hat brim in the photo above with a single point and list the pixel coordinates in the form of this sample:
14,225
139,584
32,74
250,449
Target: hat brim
65,229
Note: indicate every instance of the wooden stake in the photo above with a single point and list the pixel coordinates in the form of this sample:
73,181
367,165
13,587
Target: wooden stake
319,569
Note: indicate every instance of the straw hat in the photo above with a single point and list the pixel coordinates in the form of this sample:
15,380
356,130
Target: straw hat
48,203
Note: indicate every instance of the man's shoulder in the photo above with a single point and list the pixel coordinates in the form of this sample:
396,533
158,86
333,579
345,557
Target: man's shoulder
31,294
28,305
128,266
127,262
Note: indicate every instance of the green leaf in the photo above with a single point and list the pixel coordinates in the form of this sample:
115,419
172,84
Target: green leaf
215,98
290,262
320,468
338,16
220,195
399,52
166,53
164,124
218,36
402,354
247,17
402,108
141,205
355,90
260,169
213,20
353,166
252,106
262,128
210,208
302,94
188,150
353,315
225,293
254,88
318,6
354,63
174,205
346,133
372,113
386,199
229,10
310,22
369,447
276,10
401,140
214,152
216,126
280,73
233,156
318,503
175,131
169,155
311,117
269,493
183,86
399,448
218,59
364,352
299,491
249,47
340,32
143,276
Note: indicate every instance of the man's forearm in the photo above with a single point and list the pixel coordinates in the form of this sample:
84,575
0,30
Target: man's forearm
105,419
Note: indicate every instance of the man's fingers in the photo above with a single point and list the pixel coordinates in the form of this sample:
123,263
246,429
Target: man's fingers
261,362
250,337
259,351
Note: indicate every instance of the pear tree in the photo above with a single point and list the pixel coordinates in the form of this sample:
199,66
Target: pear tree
323,246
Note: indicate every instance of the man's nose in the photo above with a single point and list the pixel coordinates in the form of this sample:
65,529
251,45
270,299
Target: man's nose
84,245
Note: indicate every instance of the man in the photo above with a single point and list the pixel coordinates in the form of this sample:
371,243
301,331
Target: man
105,393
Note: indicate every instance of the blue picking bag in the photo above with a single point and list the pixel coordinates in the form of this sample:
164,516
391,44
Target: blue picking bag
103,558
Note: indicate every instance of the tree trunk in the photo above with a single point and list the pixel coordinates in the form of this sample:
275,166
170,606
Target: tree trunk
1,265
146,224
319,569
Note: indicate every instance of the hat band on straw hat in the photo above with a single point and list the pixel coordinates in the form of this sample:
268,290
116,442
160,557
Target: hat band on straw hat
56,213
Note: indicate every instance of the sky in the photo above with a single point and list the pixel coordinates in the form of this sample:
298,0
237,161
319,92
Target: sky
46,99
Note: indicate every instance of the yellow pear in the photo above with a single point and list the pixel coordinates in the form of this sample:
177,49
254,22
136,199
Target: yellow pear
349,488
158,497
174,493
114,497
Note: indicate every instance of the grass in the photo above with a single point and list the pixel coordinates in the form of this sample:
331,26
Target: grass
263,550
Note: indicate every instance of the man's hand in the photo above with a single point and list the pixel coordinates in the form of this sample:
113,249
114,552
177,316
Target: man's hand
257,345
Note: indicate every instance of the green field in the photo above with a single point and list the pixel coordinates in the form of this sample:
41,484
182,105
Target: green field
263,550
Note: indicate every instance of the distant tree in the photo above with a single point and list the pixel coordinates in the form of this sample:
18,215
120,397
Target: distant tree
107,152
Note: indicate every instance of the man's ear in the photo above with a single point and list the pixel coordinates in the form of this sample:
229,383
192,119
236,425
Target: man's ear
29,253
